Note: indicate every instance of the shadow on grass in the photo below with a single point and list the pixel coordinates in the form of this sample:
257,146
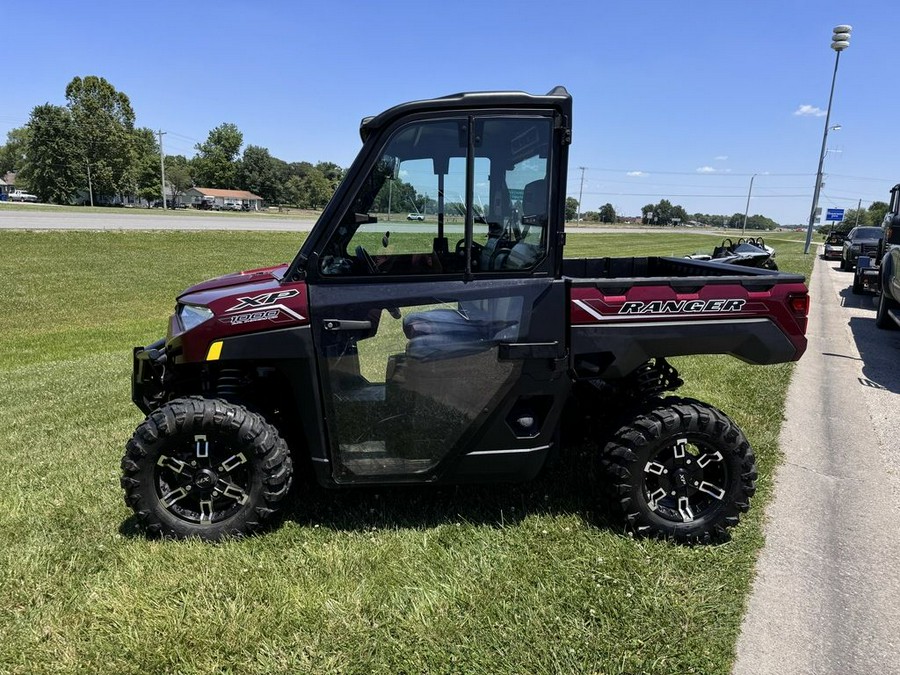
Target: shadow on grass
563,488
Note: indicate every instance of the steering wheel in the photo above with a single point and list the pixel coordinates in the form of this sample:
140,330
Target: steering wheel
362,255
476,252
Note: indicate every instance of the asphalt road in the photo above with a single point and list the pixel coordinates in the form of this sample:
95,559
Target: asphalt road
826,598
136,219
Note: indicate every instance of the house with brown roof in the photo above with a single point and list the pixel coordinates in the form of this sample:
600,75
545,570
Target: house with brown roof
221,200
7,184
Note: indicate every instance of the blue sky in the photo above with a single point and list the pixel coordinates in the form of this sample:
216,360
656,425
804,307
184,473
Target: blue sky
683,100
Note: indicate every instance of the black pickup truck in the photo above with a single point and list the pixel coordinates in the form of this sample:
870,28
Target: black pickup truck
395,352
881,271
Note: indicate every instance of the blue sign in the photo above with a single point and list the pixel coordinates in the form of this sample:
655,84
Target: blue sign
834,214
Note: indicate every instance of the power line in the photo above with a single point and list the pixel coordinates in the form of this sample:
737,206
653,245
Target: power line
712,174
667,195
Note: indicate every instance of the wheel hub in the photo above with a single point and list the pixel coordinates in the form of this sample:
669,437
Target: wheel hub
205,479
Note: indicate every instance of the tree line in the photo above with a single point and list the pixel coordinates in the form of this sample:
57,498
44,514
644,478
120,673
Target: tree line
90,146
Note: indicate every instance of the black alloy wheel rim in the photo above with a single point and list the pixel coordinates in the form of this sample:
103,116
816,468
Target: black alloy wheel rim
203,480
685,480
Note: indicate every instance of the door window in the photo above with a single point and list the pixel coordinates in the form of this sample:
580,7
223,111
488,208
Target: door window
408,217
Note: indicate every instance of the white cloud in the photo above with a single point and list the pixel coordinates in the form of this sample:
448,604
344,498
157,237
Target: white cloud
720,158
706,169
809,111
635,173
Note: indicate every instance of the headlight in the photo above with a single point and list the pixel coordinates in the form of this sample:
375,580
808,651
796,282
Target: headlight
192,315
854,248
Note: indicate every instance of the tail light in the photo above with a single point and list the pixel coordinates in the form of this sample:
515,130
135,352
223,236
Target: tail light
799,304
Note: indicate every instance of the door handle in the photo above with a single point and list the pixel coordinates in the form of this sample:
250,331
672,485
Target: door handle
344,324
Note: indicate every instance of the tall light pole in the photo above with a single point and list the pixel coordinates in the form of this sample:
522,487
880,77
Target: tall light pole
747,209
580,192
839,42
162,168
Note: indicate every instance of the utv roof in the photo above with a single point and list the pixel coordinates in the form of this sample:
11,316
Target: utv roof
558,97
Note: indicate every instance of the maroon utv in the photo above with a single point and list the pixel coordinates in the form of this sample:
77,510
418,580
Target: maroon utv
446,349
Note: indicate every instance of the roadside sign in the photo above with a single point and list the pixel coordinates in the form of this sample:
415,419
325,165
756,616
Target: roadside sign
834,214
516,194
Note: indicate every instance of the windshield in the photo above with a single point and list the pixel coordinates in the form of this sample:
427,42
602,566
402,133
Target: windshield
868,233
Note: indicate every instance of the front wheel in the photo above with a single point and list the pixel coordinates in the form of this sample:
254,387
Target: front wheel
205,468
680,469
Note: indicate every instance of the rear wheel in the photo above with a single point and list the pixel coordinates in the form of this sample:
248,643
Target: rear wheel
205,468
680,469
882,319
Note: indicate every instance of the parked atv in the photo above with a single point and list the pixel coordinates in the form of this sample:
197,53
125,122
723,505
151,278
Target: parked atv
751,252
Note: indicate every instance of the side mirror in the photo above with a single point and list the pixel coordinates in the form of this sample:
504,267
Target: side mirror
892,230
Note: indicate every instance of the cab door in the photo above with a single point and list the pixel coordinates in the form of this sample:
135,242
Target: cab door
441,342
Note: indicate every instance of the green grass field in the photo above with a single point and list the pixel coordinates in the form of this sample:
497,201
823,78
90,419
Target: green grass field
508,579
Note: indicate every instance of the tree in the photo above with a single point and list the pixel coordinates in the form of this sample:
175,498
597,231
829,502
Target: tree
571,208
178,174
216,164
258,173
663,212
850,218
146,165
12,155
877,212
104,123
53,156
332,172
396,195
293,190
607,213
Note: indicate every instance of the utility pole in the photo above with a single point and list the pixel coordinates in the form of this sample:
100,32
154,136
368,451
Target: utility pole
858,207
747,209
580,192
162,167
90,188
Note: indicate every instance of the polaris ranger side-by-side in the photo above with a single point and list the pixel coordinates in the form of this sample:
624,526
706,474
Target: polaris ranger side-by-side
447,350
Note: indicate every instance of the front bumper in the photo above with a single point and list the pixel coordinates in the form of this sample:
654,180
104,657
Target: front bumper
147,376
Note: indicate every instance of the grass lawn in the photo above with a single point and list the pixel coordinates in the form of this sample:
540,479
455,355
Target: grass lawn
498,579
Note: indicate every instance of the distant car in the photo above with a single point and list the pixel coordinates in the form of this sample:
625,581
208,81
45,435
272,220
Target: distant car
860,241
22,196
415,216
834,245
